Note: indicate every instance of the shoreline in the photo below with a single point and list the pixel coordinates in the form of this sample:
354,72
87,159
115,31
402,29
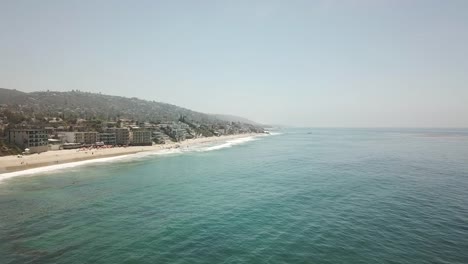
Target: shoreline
10,164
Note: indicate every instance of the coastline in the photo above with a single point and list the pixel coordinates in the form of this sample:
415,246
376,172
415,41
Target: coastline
9,164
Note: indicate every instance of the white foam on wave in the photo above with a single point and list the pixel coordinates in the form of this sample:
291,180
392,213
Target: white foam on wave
275,133
69,165
173,151
158,152
228,144
51,168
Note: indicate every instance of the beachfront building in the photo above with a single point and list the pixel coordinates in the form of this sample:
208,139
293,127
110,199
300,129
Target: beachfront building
141,137
124,122
107,138
160,138
178,131
36,140
88,138
122,135
180,134
66,137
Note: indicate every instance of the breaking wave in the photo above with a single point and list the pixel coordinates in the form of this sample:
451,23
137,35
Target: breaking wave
228,144
139,155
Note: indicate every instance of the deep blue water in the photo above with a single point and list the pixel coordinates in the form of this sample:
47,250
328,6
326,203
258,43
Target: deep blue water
305,196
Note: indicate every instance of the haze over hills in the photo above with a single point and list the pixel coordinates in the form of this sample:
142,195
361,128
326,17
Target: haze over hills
76,104
233,118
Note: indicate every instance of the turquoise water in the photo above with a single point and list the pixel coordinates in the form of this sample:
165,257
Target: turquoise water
305,196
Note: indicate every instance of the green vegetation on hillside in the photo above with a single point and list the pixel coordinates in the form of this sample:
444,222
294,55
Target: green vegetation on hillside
70,106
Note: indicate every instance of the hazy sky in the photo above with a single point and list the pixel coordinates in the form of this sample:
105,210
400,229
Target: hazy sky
310,63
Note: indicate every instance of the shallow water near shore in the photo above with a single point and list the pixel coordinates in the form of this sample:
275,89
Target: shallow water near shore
304,196
200,147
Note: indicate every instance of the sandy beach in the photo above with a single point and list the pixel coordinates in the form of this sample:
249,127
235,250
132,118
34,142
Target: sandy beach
15,163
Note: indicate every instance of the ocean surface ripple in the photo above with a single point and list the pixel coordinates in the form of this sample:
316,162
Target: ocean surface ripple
302,196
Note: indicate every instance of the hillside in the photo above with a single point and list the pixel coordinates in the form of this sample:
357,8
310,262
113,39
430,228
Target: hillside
232,118
77,104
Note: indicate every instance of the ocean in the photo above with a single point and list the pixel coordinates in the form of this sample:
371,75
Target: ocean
298,196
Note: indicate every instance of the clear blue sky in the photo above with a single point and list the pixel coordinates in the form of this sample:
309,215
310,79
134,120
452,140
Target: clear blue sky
308,63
